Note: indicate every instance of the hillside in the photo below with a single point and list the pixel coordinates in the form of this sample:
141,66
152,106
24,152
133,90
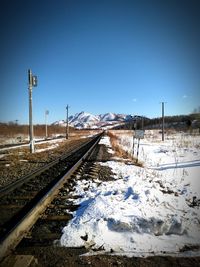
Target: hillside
87,120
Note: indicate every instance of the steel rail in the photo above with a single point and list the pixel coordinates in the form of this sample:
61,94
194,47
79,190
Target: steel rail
10,187
18,231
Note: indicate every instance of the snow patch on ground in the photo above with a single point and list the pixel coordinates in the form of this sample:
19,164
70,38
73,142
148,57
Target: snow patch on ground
54,141
143,210
106,141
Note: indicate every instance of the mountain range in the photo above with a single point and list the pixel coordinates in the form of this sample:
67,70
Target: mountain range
87,120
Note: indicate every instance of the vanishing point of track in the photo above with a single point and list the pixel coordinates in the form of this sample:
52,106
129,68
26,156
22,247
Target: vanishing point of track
22,203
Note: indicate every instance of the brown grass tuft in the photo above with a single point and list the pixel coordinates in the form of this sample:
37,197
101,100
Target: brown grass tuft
120,152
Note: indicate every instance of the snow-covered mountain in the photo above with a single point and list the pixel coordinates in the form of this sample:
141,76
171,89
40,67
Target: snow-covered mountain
88,120
83,120
107,117
60,122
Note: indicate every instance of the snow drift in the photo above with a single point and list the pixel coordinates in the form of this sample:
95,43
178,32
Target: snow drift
144,210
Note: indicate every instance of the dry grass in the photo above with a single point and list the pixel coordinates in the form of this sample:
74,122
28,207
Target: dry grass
120,152
12,130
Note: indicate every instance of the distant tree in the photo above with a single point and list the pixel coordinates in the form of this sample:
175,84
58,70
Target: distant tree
188,123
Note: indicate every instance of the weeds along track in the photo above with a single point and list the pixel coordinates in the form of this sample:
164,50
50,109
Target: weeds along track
22,203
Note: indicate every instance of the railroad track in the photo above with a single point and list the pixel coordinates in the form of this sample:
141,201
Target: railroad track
22,203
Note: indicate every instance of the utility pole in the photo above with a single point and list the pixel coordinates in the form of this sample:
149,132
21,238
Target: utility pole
32,81
46,114
163,121
67,122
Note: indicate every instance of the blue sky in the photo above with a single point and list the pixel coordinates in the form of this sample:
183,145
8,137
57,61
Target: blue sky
99,56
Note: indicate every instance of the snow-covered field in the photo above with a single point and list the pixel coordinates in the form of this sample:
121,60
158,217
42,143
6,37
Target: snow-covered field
150,209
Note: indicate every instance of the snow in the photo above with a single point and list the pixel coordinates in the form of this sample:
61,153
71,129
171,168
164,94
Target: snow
144,210
38,150
106,142
39,141
87,120
108,117
60,123
83,120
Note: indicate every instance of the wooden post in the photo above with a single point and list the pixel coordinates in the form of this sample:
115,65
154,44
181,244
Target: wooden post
163,122
133,143
138,149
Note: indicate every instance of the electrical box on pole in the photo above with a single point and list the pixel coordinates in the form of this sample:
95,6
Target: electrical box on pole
34,81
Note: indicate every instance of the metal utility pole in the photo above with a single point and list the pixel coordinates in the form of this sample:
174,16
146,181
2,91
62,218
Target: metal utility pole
46,114
32,81
163,121
67,122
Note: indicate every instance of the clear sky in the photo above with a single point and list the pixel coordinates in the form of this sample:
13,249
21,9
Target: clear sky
99,56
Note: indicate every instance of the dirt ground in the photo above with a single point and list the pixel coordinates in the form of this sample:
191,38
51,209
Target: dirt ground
74,257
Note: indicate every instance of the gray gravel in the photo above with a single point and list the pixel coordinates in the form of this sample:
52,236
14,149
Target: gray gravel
16,163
